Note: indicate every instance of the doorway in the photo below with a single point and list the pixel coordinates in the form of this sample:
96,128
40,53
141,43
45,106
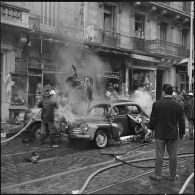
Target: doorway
35,91
159,83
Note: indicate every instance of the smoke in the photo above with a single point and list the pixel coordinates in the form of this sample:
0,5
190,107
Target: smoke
144,99
86,63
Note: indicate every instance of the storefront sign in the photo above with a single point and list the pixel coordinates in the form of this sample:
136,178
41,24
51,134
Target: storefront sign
145,58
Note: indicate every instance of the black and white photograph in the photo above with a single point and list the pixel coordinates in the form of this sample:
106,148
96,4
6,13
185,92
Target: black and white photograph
97,97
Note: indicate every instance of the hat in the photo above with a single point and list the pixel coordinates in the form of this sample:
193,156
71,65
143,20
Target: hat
190,93
52,92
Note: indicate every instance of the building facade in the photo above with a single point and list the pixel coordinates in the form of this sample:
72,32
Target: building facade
134,43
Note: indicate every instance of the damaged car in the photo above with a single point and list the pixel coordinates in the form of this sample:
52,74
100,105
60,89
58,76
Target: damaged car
109,120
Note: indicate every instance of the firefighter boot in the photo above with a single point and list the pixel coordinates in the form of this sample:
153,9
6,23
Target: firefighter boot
52,141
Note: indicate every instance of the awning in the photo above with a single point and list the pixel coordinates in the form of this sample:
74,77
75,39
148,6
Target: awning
145,58
185,61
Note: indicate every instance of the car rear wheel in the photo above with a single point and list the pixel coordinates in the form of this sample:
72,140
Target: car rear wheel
101,139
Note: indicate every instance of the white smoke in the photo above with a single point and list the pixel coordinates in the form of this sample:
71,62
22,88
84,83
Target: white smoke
144,99
87,64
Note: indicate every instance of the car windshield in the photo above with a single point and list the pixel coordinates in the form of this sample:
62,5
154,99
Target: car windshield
99,110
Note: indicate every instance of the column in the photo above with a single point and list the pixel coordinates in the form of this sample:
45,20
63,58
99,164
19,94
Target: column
127,80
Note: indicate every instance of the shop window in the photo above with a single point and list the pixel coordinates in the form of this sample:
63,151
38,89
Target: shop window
183,81
18,90
143,79
139,25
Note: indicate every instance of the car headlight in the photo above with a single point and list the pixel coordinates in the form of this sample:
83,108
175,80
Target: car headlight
84,126
64,125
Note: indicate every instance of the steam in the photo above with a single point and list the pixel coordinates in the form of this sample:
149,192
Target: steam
144,99
90,64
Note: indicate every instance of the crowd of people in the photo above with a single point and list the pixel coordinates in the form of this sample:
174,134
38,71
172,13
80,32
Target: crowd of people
187,102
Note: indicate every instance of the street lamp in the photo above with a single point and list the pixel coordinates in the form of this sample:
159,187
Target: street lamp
191,42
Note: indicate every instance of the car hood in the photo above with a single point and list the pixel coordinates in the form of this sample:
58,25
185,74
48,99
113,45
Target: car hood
87,119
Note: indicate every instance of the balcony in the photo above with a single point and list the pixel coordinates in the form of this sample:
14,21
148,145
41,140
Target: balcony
139,44
14,16
180,6
104,37
109,38
167,48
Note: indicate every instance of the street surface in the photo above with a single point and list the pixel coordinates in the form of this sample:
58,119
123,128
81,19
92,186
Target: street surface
65,169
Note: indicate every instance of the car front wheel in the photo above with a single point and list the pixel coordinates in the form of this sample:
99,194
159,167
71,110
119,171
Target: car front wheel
101,139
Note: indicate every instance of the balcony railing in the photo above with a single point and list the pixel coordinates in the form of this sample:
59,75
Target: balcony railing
109,38
167,48
140,44
181,6
56,27
15,16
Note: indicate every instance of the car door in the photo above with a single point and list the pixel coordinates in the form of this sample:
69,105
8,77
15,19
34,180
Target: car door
133,111
118,116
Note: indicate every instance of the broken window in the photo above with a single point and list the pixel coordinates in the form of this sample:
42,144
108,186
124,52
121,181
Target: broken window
133,109
139,25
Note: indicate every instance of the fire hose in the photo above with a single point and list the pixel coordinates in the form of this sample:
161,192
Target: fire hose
186,183
23,129
121,163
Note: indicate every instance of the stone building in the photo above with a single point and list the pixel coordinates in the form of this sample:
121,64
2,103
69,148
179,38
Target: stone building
131,43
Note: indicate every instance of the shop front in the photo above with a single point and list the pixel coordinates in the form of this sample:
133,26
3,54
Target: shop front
182,78
141,73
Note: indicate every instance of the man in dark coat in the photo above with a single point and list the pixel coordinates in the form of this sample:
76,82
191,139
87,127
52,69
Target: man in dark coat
166,116
47,115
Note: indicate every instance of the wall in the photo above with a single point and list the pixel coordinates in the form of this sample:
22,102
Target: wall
8,65
125,25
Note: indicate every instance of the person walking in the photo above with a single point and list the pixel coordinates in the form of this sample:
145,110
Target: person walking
47,115
190,114
166,116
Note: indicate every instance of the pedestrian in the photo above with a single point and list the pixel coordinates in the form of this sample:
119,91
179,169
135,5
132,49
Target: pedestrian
166,116
47,115
190,114
178,99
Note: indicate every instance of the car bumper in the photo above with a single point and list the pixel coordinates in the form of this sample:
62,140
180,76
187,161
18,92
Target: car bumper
77,134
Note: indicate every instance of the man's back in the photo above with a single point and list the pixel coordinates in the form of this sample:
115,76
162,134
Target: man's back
165,117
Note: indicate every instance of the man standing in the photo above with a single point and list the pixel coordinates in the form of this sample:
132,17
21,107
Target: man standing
166,116
190,113
47,115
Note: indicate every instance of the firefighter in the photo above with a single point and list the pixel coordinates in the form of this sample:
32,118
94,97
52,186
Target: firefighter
48,106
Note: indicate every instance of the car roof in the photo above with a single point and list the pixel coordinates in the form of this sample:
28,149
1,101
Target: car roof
114,102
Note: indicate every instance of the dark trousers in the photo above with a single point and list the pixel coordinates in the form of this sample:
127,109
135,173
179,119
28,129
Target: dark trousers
171,146
48,128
